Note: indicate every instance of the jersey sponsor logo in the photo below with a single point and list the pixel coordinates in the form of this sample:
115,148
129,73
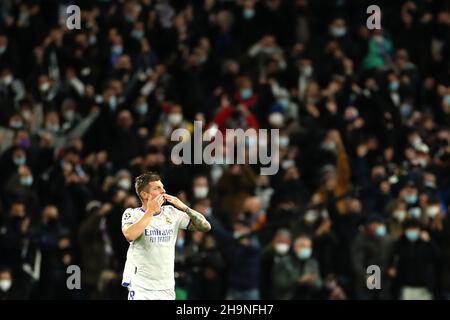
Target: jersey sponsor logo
159,235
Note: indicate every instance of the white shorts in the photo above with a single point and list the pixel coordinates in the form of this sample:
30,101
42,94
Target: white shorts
142,294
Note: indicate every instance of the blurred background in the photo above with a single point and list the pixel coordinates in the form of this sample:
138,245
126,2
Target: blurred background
363,115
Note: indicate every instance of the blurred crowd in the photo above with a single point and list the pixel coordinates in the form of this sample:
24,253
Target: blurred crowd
363,116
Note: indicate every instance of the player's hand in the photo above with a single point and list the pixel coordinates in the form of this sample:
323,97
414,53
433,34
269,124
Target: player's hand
175,201
154,206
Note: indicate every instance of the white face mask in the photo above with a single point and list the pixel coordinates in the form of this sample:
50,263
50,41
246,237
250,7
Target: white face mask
124,184
53,127
281,248
175,118
8,79
307,71
400,215
69,115
26,114
201,192
432,211
44,87
276,119
311,216
5,285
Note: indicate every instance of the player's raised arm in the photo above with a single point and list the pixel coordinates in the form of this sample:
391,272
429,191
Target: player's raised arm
199,222
134,231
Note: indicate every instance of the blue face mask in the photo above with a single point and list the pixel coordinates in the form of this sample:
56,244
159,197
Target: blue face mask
26,181
412,235
405,110
447,99
117,50
284,103
410,198
304,253
142,108
246,93
180,242
380,231
393,86
415,213
137,34
112,103
19,161
249,13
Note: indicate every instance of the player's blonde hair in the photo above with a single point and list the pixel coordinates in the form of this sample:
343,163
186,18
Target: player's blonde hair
142,181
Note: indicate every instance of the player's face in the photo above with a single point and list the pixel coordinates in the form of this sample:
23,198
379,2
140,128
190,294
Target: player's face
155,188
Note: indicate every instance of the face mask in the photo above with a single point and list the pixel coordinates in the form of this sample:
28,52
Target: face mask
307,71
380,231
311,216
2,49
137,34
304,253
422,162
412,235
117,50
249,13
329,146
26,114
284,141
276,119
180,242
142,108
5,285
26,181
378,39
410,198
92,39
430,184
246,93
338,31
393,86
201,192
53,127
175,118
284,103
8,79
44,87
112,103
129,18
400,215
447,99
405,110
19,161
69,115
415,213
281,248
15,124
124,184
432,211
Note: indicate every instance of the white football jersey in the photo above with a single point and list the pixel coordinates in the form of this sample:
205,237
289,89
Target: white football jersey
151,257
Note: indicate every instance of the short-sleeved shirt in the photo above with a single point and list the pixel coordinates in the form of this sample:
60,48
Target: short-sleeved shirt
151,257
